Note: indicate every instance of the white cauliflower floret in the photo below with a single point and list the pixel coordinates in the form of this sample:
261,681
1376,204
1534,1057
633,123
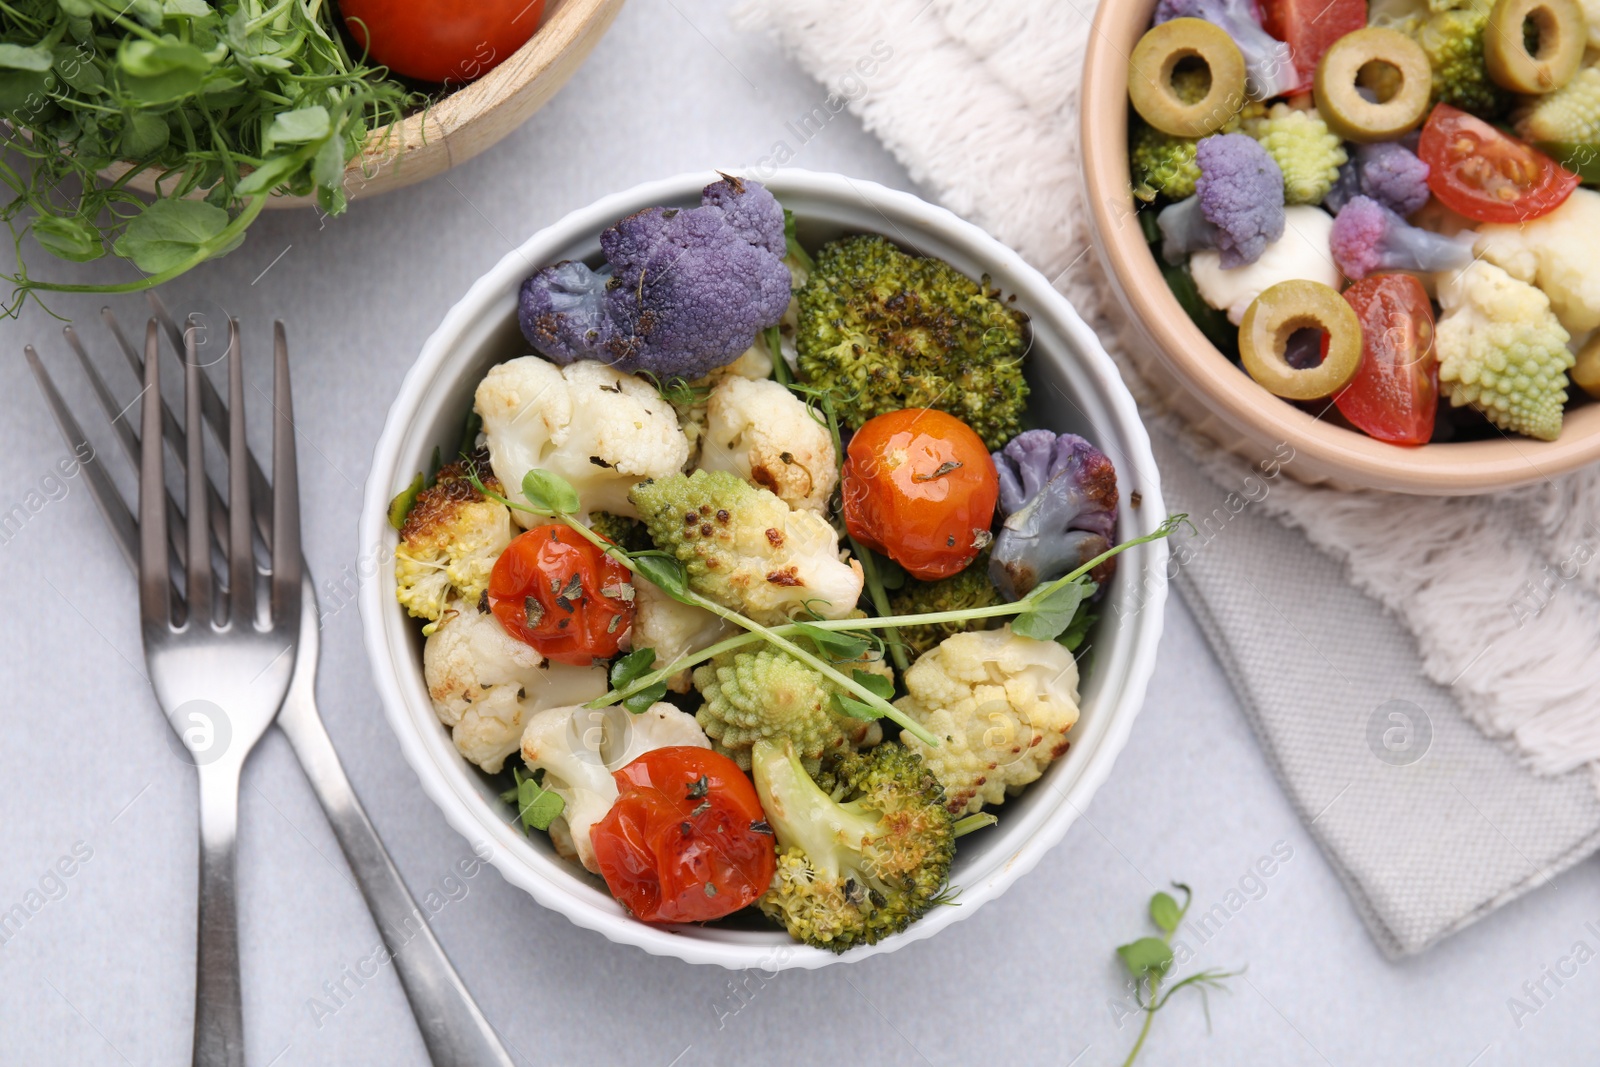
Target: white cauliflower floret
578,748
753,365
601,430
1559,253
769,437
448,544
485,683
673,629
746,549
1303,252
1001,706
1502,350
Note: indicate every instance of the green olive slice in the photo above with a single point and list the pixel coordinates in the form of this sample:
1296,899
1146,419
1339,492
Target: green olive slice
1155,59
1274,318
1563,34
1405,67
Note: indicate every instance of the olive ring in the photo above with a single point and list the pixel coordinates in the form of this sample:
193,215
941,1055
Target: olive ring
1275,316
1158,54
1352,116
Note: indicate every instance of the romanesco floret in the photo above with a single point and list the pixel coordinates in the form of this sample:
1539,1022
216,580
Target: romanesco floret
449,542
1502,350
1570,115
746,549
860,860
1001,706
769,695
1305,150
962,591
883,331
1162,165
621,530
1453,40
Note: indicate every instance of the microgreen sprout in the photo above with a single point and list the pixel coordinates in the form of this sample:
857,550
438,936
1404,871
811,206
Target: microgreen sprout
1150,958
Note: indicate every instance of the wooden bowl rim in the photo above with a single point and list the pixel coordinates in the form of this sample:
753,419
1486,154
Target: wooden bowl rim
1199,368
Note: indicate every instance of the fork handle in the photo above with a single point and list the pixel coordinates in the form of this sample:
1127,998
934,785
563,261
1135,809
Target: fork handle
218,1010
453,1029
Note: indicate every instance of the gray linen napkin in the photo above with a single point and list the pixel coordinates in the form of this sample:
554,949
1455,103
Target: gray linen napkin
1430,824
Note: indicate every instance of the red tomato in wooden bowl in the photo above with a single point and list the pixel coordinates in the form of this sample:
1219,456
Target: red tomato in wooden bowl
451,41
919,486
686,840
1395,395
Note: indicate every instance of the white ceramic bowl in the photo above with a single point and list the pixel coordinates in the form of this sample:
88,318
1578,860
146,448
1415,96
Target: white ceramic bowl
1076,388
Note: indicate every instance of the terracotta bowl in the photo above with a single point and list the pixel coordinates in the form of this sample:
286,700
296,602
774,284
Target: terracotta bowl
1217,398
472,118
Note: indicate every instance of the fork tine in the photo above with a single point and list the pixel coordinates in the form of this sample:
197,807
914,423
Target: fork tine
155,602
169,421
241,551
285,490
197,499
110,502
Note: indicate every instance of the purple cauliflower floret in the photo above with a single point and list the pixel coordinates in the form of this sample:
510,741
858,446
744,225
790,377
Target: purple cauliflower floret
1058,496
1269,65
1389,173
1369,237
1237,207
683,292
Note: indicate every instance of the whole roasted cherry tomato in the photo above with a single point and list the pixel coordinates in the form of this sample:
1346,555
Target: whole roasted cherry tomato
919,486
1395,393
450,41
1487,175
686,840
562,595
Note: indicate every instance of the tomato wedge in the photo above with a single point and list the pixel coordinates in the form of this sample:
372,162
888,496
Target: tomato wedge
686,840
1310,27
1487,175
1395,395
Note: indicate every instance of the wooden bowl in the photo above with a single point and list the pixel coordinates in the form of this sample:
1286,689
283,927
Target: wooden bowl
472,118
1217,398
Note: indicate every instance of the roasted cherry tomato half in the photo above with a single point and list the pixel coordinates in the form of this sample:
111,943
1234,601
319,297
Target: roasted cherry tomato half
450,41
686,840
559,593
1487,175
1395,394
919,486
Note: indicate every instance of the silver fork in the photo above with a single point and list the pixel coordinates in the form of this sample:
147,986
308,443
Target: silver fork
220,668
452,1026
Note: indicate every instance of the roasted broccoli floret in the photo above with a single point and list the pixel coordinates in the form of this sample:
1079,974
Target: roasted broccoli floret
1162,165
769,695
1453,41
449,542
1368,237
966,589
1237,207
683,291
746,549
883,331
1267,60
1059,499
621,530
1389,173
1307,152
862,860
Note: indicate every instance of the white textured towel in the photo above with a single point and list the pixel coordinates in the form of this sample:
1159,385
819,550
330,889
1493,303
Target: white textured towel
1502,594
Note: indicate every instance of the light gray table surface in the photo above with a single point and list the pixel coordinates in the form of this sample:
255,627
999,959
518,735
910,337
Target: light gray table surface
103,970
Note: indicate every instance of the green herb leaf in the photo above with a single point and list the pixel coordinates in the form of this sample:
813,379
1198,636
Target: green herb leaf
640,702
1146,957
144,134
635,664
299,127
1164,912
841,646
1051,613
150,59
666,572
403,502
876,684
271,174
537,807
550,492
194,9
851,707
18,57
68,237
170,232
